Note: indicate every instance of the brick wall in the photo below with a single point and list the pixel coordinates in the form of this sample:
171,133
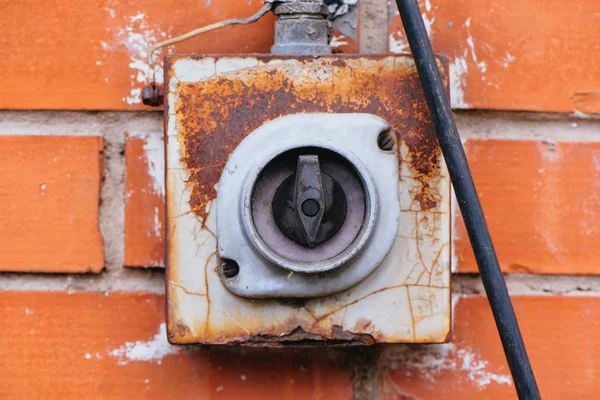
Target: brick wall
81,205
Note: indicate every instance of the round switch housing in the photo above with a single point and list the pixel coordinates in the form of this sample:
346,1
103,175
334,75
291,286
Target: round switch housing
307,205
311,210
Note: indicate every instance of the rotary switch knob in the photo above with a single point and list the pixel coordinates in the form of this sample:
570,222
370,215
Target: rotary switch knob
308,207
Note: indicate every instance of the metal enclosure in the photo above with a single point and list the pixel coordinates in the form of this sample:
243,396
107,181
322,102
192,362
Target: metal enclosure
212,104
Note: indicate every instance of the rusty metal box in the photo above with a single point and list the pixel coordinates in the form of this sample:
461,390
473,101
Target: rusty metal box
212,104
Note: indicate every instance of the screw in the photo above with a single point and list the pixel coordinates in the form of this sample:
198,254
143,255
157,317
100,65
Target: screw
152,96
229,268
385,141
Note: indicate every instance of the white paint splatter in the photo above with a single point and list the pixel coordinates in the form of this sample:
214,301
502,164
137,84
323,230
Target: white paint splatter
134,97
43,189
155,153
28,311
476,370
111,11
482,65
397,41
137,17
154,150
398,45
430,361
89,356
337,41
153,350
157,224
428,24
458,81
509,59
137,36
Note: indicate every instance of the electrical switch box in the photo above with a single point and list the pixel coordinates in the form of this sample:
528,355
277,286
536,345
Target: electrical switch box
307,202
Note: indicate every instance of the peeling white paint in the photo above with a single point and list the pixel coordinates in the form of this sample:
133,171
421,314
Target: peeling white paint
152,350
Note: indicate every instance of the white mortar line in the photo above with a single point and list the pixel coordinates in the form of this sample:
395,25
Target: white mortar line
152,281
526,126
129,280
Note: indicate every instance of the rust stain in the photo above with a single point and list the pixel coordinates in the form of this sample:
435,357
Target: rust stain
215,116
300,338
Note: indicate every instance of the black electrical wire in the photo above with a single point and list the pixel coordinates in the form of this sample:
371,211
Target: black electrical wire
466,195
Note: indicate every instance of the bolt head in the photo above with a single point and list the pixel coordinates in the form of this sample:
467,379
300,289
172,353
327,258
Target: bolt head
152,96
230,268
386,141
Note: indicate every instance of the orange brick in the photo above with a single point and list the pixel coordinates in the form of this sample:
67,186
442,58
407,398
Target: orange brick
144,201
542,203
516,55
49,200
560,334
95,57
86,345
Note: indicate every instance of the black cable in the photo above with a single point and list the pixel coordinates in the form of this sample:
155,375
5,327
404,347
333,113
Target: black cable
466,195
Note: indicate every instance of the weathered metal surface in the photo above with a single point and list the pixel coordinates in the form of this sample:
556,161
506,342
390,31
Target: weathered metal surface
212,104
